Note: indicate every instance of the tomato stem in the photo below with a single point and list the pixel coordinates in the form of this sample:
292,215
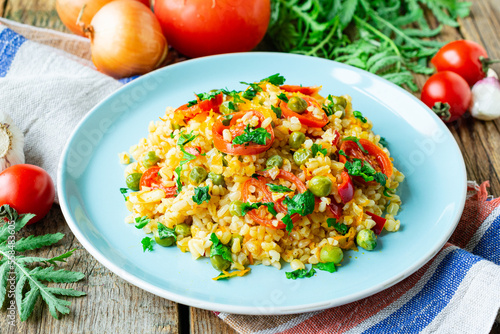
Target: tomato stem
442,110
486,62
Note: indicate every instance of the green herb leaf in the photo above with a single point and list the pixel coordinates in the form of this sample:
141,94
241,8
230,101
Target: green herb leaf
140,222
246,207
341,152
165,232
303,203
258,136
316,148
356,140
201,195
234,94
252,91
204,96
276,188
383,142
359,115
283,97
275,79
300,273
388,192
362,168
328,266
287,220
218,248
276,110
147,244
341,228
124,192
328,108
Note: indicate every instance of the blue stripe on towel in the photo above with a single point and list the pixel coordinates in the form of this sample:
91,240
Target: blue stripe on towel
420,310
10,42
489,245
127,80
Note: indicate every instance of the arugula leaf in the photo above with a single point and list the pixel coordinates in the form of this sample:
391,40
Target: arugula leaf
300,273
201,195
29,285
218,248
165,232
124,192
140,222
277,111
275,79
283,97
276,188
258,136
147,244
359,115
356,140
341,228
316,148
328,266
246,207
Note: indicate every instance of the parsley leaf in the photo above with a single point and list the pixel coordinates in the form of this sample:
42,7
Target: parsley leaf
204,96
383,142
218,248
201,195
356,140
341,228
252,91
245,207
124,192
258,136
166,232
300,273
276,188
341,152
234,94
316,148
388,192
147,244
140,222
359,116
275,79
277,111
329,108
328,266
303,204
283,97
361,168
184,139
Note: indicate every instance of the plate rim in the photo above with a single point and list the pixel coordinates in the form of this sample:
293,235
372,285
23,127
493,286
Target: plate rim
238,309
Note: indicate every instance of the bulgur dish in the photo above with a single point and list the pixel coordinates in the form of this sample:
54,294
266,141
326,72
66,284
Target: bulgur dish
271,174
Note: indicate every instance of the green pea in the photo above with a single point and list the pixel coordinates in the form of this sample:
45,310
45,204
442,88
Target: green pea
274,161
228,107
165,242
301,156
297,104
150,159
366,239
219,263
183,229
234,237
133,181
176,126
340,100
236,208
320,186
217,179
296,140
197,175
331,253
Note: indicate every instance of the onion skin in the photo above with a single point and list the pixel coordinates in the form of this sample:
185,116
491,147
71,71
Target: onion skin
126,39
68,11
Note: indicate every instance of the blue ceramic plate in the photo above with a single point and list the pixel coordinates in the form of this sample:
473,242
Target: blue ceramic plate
90,176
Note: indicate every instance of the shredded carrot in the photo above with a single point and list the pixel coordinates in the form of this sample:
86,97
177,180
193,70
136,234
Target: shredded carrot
226,274
250,258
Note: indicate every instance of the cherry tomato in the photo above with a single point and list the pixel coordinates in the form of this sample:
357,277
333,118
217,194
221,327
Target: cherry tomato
306,90
189,112
447,94
307,118
199,28
152,180
27,189
236,129
466,58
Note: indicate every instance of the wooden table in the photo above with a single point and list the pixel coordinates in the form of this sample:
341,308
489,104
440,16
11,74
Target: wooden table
113,305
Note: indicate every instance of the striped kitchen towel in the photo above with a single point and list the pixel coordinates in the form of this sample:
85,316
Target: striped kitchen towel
458,291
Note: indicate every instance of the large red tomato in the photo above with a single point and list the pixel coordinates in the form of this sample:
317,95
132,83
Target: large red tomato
27,189
199,28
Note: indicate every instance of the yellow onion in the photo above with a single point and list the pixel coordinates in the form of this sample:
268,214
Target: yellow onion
126,39
69,10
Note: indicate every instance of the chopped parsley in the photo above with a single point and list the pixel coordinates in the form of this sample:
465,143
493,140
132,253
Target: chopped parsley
356,140
383,142
234,94
328,266
359,115
300,273
276,188
275,79
147,244
124,192
218,248
252,91
204,96
316,148
201,195
277,111
245,207
363,169
341,228
184,138
283,97
258,136
329,108
341,152
140,222
388,192
165,232
255,176
226,120
303,204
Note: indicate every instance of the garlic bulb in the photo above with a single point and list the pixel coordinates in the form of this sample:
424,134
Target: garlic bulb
11,143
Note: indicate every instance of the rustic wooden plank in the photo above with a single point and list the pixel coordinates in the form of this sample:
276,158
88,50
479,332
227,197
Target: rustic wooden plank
39,13
203,321
3,3
111,305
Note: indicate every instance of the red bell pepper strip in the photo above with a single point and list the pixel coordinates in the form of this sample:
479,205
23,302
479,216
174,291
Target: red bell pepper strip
379,222
336,140
346,188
